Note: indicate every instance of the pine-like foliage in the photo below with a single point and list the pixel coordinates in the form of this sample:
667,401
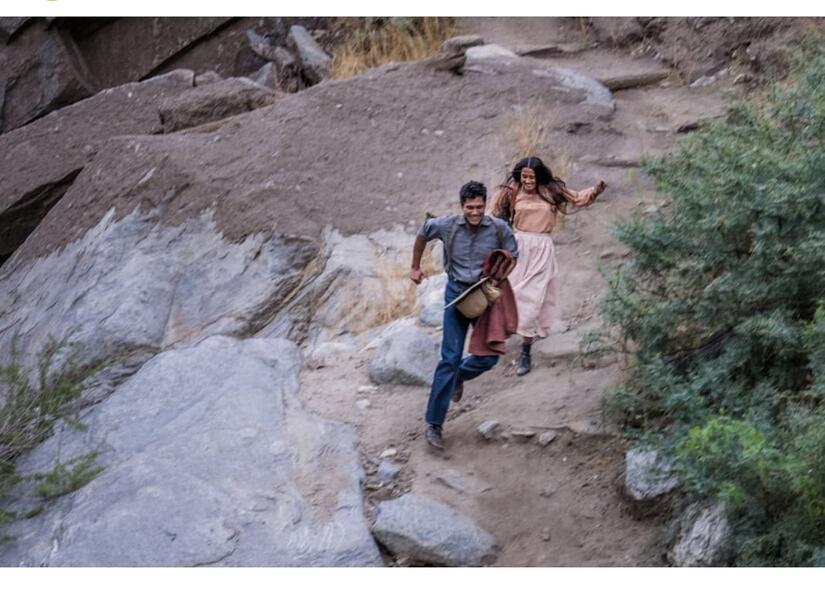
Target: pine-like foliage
722,303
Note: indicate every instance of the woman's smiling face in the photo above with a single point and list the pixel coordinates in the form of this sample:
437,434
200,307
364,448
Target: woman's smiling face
528,179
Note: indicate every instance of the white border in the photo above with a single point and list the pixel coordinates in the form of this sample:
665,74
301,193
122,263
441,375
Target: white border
412,578
408,8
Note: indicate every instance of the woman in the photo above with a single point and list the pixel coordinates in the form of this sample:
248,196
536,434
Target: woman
531,200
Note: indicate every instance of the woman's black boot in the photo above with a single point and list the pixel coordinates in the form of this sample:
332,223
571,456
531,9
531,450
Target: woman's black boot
523,362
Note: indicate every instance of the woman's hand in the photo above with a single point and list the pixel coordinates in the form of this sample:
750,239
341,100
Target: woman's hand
416,275
600,188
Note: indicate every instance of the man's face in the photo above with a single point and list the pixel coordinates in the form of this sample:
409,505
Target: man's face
473,209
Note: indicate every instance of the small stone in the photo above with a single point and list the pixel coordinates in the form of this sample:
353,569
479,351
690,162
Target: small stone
547,491
487,429
545,535
462,43
373,485
453,480
439,132
523,435
545,438
387,453
363,404
388,471
367,389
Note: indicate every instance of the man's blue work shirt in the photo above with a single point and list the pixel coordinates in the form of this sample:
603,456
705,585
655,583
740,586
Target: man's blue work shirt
469,250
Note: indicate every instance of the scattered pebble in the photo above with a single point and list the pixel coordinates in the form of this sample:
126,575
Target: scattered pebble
388,471
487,429
453,480
547,492
545,438
439,132
368,389
545,535
363,404
387,453
523,435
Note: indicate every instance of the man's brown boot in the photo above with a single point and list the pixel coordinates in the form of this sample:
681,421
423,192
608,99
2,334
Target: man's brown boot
433,436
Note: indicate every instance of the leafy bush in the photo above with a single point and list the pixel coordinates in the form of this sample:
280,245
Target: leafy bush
28,412
722,305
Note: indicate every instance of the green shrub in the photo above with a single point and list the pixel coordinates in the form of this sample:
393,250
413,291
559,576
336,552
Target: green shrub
721,305
68,477
28,412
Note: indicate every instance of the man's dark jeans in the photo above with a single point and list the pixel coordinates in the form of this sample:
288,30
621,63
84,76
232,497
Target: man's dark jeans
452,366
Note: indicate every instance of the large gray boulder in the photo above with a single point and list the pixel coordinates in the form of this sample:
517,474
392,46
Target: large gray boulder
404,354
427,531
648,477
212,102
705,539
47,155
360,283
209,460
315,63
594,100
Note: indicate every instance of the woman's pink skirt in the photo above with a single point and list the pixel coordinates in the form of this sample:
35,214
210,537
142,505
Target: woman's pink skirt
533,281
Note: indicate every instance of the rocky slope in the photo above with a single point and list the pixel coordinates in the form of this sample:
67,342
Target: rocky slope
232,276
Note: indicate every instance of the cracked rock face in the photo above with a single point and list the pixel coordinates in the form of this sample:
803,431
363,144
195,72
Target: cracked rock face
48,154
208,460
134,285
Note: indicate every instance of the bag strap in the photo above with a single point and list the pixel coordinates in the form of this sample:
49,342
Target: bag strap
448,251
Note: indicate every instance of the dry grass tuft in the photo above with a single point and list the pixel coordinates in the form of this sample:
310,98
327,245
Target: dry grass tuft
528,133
381,41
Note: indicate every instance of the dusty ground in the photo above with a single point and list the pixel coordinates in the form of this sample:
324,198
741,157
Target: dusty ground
559,505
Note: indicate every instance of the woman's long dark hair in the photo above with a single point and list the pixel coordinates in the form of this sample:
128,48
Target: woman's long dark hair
544,178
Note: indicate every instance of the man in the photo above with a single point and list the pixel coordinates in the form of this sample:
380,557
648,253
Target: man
470,237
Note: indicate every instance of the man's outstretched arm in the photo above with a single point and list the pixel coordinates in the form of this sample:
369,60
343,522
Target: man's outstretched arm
416,276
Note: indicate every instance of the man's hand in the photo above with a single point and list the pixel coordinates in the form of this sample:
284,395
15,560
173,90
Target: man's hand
416,276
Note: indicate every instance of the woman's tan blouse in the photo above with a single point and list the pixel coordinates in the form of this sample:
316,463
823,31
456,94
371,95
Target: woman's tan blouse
535,214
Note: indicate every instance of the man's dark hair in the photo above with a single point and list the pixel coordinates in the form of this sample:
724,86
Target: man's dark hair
472,190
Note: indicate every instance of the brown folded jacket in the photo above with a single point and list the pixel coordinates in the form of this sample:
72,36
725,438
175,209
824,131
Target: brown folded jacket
500,319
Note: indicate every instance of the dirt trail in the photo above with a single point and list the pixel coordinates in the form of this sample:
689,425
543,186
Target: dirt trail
557,505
